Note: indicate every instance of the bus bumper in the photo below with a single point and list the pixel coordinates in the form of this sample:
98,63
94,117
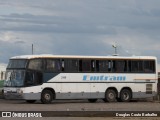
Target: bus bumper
19,94
137,95
13,96
23,96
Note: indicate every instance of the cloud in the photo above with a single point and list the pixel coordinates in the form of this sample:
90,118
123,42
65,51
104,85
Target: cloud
83,27
54,24
19,42
101,17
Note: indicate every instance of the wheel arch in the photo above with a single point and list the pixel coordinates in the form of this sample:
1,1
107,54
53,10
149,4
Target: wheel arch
128,88
113,88
52,90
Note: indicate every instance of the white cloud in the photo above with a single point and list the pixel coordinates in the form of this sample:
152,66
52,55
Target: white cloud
7,36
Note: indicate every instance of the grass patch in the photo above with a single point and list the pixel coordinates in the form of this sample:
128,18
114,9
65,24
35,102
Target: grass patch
1,87
1,83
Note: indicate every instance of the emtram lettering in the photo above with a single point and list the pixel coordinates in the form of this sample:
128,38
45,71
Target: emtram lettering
103,78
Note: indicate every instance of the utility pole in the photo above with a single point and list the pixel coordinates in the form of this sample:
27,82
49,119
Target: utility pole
32,49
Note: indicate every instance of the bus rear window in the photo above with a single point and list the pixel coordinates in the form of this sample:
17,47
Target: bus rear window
17,64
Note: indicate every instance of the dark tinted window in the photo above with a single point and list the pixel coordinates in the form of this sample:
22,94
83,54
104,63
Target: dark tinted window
149,66
103,65
137,66
119,66
85,65
93,65
33,78
69,65
142,66
53,65
36,64
17,63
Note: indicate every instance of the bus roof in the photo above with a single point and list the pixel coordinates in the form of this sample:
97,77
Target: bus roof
81,57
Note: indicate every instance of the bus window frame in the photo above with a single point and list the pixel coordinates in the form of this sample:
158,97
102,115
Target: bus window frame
94,68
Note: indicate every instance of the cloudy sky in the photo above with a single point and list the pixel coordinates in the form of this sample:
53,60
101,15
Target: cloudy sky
79,27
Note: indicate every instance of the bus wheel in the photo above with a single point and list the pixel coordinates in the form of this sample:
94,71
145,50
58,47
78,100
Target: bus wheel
110,96
30,101
92,100
125,95
46,97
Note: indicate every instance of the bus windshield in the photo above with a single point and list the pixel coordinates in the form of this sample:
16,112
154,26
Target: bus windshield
14,63
14,78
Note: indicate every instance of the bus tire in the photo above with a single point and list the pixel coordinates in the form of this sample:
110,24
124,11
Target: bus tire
125,95
30,101
92,100
110,96
46,97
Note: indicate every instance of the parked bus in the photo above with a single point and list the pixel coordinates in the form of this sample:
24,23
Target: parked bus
50,77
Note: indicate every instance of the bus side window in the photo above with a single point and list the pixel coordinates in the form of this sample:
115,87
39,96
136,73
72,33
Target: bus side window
134,66
97,65
86,65
104,65
71,65
29,79
141,66
53,65
33,78
120,66
80,65
36,64
39,78
74,65
129,66
137,66
149,66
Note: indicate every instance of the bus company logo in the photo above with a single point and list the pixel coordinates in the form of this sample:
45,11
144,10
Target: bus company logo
103,78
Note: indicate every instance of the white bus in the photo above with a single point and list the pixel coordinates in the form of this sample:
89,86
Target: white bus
50,77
